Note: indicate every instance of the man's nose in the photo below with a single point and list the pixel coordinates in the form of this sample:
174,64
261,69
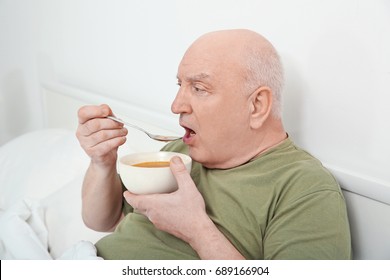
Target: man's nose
181,104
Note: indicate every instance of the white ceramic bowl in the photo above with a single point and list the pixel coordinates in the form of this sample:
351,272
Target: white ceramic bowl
147,180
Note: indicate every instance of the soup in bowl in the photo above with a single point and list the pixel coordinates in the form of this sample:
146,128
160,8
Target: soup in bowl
147,173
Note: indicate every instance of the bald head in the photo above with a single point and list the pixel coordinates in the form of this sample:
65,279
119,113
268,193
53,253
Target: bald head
251,55
234,38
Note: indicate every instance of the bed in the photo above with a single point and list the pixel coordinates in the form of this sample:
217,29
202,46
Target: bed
42,172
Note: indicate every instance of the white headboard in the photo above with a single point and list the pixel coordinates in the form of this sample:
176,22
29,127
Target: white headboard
368,200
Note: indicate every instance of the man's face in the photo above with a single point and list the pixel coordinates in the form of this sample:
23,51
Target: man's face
214,107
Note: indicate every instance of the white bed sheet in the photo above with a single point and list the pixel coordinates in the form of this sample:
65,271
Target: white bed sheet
40,196
24,236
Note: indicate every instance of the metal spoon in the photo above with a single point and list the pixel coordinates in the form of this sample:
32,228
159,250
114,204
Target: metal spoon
153,136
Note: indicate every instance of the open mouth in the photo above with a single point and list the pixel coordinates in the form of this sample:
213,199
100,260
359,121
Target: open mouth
189,134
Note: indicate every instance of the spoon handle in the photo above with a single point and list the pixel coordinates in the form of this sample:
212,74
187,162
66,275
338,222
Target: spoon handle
125,123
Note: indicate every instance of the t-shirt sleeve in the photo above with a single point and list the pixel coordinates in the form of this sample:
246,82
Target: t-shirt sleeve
314,226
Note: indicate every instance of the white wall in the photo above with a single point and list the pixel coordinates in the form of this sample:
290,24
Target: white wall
336,55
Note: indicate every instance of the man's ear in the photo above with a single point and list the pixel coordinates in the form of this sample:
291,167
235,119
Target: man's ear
261,106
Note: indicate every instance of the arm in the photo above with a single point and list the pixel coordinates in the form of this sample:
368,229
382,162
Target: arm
101,191
183,214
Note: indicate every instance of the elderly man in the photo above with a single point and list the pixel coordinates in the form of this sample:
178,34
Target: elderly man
251,194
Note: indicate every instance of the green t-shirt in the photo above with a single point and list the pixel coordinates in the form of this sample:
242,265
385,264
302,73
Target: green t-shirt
281,205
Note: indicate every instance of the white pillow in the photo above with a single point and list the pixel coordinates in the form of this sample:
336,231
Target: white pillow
39,163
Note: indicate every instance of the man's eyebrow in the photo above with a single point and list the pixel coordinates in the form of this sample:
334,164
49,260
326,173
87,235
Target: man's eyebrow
197,77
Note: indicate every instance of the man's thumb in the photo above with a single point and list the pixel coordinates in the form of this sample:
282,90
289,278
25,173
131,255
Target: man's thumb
179,171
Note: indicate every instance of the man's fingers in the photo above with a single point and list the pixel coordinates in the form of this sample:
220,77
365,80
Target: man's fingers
103,148
86,113
140,203
98,124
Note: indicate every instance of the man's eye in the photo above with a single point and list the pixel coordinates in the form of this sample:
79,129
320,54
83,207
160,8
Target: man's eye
198,89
